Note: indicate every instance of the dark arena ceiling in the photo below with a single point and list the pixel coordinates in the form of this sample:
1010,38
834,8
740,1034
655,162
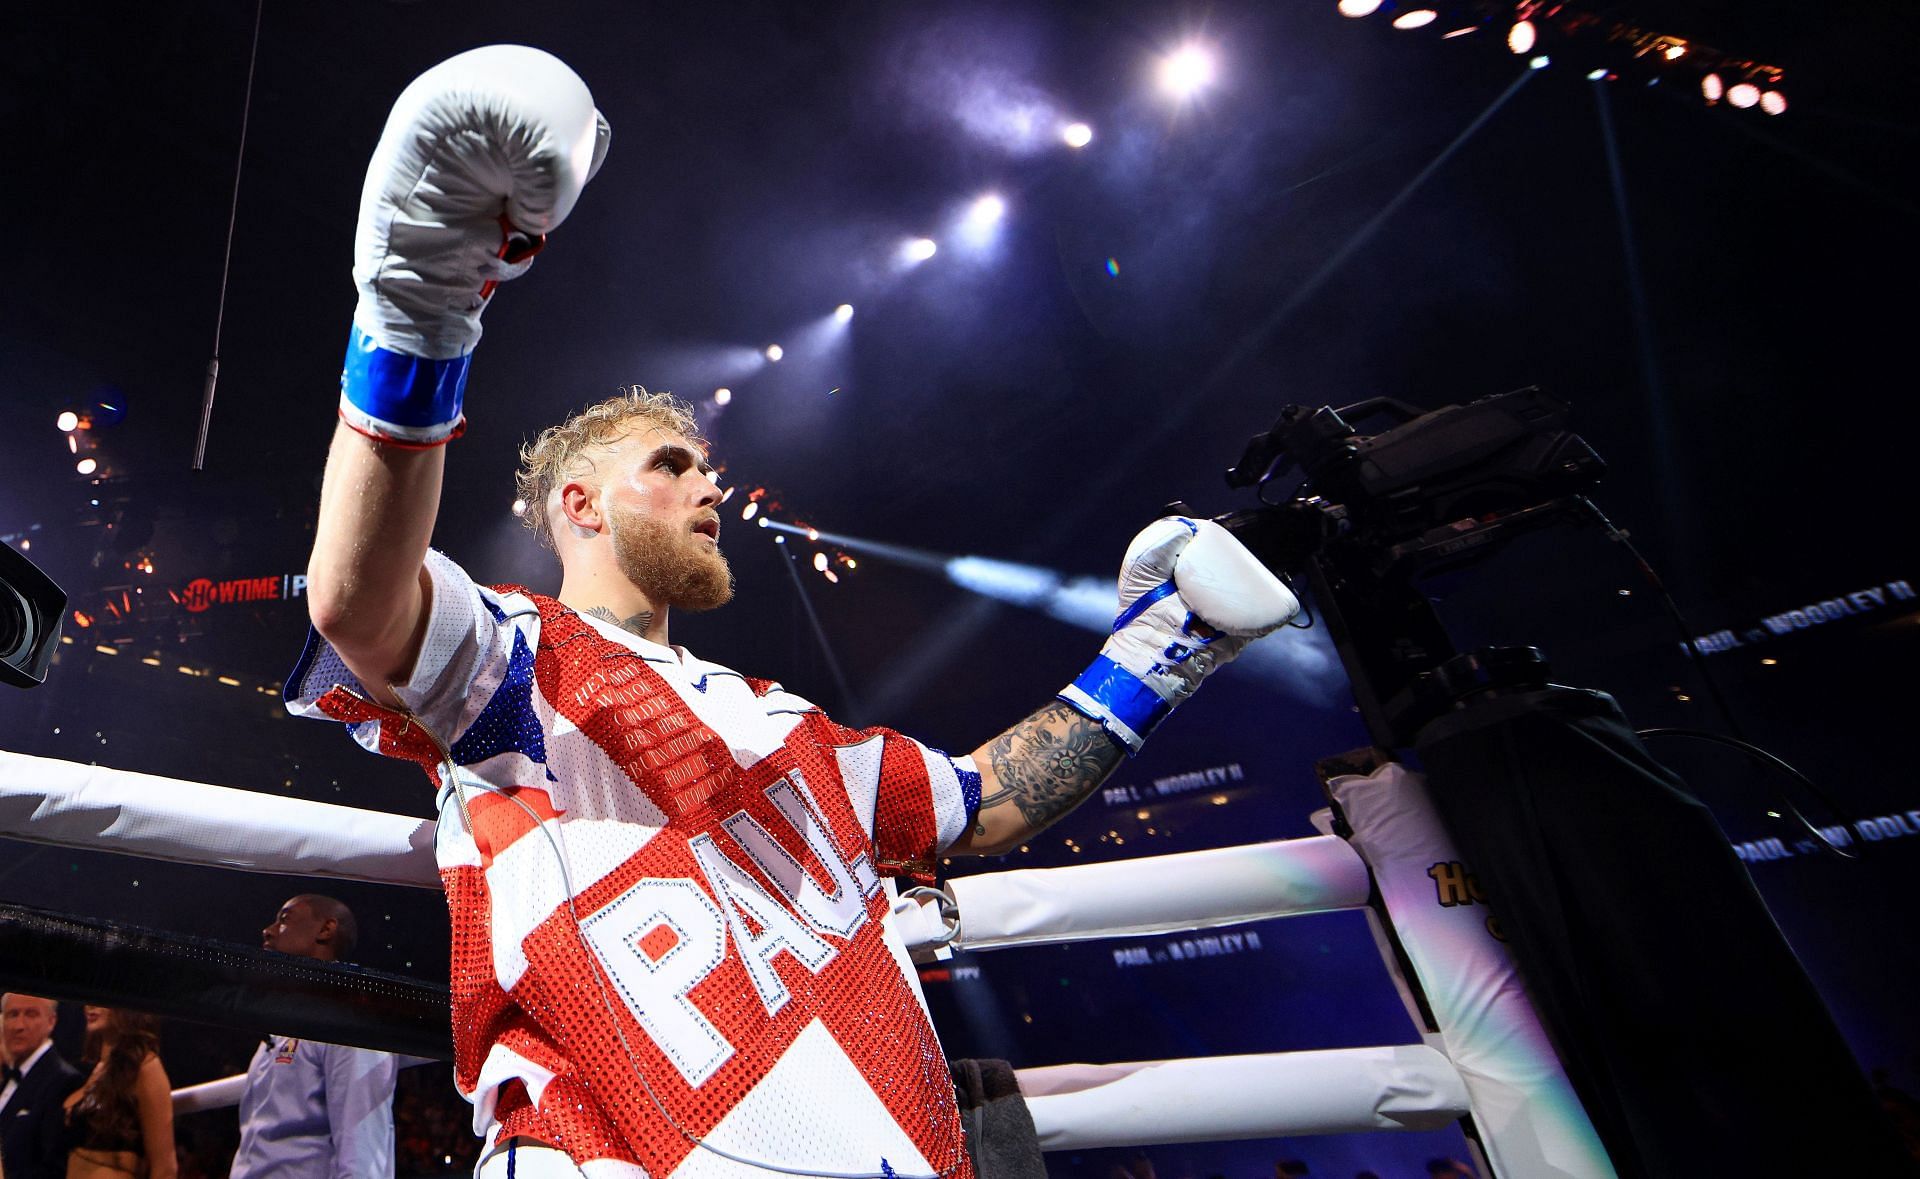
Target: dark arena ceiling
1344,210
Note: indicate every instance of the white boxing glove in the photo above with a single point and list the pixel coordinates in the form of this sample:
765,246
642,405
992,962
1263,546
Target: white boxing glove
482,156
1191,596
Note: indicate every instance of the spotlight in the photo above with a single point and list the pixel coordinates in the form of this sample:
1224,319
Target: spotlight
919,249
722,395
751,510
1462,31
519,507
1599,75
1185,71
1521,36
982,220
820,562
86,466
1773,102
843,313
1415,18
1359,8
68,421
830,575
1540,63
1077,134
1744,95
774,352
1712,88
1674,52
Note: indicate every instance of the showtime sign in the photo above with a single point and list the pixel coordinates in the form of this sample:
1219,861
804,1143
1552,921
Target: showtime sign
202,592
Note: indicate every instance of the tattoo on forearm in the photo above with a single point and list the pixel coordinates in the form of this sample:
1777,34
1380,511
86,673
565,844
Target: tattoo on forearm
1047,763
636,624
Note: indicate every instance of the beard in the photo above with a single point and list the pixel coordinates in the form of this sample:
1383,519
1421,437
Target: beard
669,566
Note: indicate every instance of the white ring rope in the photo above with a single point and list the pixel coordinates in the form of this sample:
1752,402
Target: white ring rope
1156,1102
1487,1053
67,804
1158,894
1218,1098
221,1094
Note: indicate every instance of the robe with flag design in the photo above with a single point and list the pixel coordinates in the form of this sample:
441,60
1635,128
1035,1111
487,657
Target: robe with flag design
669,952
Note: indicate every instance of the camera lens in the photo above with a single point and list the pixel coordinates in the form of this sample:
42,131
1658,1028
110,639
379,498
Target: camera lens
16,624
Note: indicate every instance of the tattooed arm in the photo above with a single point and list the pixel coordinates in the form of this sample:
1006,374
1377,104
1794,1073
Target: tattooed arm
1034,773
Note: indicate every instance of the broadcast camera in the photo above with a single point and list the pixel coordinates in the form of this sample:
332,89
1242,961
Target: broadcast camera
31,606
1369,514
1617,893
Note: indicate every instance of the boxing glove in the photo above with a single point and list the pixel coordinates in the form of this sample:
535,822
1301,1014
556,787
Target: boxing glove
482,156
1191,596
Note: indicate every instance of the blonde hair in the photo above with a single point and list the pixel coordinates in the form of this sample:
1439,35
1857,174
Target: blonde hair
561,451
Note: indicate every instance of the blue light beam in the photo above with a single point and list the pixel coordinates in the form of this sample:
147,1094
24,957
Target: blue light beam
1301,663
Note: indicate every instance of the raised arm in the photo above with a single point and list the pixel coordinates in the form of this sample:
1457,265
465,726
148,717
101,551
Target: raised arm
1190,598
367,590
482,155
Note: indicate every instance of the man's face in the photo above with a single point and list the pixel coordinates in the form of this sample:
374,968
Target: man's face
24,1021
296,930
659,500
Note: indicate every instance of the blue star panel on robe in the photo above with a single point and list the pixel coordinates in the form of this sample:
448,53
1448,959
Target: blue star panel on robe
508,723
969,790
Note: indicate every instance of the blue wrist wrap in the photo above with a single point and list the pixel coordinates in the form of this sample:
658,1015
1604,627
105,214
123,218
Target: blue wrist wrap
1110,693
415,398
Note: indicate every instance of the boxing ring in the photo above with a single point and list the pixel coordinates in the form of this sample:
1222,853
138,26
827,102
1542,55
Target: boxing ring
1481,1058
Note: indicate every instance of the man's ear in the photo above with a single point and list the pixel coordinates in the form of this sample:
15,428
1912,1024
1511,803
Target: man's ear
328,930
580,506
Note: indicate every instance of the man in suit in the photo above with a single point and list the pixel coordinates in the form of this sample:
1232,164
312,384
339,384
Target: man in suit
36,1080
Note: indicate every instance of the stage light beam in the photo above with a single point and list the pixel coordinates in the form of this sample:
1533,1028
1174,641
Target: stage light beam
1415,18
1077,134
919,250
773,353
722,395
